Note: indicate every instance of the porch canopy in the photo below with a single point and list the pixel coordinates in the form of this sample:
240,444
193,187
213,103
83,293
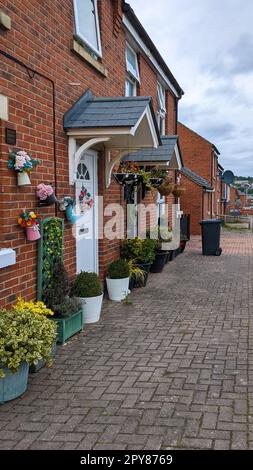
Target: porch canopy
123,124
196,178
167,155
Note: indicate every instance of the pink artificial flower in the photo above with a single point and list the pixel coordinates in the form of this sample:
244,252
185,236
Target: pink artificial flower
43,191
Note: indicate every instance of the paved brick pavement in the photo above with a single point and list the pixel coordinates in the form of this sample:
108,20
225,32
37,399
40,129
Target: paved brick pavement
172,370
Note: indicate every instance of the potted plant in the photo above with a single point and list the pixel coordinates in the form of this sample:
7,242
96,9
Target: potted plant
30,221
25,339
45,194
22,163
142,252
87,288
162,239
137,275
127,173
67,311
37,308
117,280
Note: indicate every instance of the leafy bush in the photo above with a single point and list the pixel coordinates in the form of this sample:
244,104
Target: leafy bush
86,285
56,294
24,337
141,251
119,269
38,308
136,272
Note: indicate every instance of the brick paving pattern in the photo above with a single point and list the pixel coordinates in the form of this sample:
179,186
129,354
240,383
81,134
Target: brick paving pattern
173,370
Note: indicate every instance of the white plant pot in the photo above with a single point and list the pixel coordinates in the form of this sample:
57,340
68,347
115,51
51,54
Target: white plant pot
91,307
23,178
117,288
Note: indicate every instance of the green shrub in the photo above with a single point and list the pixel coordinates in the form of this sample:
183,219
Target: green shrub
24,337
141,251
69,306
119,269
58,287
86,285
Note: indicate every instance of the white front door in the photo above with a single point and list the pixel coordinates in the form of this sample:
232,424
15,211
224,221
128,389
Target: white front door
86,226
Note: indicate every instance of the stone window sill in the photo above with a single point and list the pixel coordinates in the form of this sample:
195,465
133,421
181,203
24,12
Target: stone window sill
81,52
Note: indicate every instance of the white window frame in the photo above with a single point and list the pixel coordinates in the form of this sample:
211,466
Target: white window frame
161,115
98,51
133,75
133,82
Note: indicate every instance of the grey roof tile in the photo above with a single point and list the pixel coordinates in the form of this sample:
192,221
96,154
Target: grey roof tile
163,153
196,178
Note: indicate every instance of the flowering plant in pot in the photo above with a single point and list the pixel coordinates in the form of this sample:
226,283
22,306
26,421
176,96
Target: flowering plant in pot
25,339
22,163
117,280
67,311
127,173
30,221
37,308
88,288
45,194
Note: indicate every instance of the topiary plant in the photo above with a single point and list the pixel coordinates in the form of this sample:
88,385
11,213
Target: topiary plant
24,337
86,285
118,269
56,294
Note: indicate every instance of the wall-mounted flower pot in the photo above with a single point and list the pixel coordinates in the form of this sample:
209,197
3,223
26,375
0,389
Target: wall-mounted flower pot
159,262
68,326
70,214
13,385
49,201
32,233
23,178
91,307
117,289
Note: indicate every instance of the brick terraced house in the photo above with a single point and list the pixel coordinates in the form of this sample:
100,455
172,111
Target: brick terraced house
206,194
81,87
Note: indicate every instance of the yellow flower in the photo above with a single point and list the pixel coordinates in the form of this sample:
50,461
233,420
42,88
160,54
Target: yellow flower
34,307
32,215
19,220
28,223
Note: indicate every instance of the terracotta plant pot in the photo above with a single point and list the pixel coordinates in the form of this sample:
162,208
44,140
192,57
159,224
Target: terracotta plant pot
32,233
23,178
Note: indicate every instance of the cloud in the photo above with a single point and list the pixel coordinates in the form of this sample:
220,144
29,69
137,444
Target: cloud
208,46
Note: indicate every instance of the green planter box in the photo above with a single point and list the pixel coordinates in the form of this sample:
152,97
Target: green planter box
68,326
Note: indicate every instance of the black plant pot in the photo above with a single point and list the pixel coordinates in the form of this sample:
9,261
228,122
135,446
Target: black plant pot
167,257
159,262
126,178
141,283
49,201
156,182
182,246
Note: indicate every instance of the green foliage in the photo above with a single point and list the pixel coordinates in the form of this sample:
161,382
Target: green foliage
141,251
159,235
24,337
136,272
119,269
56,294
86,285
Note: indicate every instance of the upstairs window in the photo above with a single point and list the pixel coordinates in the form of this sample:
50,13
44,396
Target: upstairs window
161,97
132,72
87,24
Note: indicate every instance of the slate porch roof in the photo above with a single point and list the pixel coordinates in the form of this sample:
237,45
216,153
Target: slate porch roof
196,178
92,112
163,153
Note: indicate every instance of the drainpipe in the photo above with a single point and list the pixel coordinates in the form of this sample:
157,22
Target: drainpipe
31,73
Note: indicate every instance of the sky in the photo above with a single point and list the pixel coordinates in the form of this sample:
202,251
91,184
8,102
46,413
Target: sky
208,46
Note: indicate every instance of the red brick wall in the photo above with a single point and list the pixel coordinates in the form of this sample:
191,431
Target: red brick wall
196,202
41,36
196,151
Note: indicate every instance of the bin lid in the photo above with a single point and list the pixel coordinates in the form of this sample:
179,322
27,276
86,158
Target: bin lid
211,221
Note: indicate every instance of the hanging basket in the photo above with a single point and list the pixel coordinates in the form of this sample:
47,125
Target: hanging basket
23,178
165,189
178,191
156,182
32,233
126,178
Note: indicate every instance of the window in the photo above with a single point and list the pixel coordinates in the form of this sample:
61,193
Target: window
161,97
132,69
130,87
87,24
